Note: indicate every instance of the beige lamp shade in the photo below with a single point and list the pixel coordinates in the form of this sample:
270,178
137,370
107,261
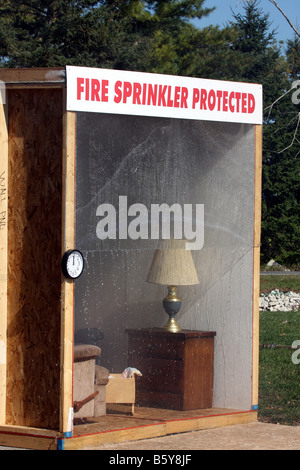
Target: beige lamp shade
173,266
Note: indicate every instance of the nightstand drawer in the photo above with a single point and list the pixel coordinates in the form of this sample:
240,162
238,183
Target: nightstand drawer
160,375
162,347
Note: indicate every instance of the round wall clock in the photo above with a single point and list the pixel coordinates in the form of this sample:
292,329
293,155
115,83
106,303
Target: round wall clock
72,264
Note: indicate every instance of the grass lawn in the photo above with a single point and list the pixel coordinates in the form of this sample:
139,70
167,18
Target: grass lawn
279,377
284,283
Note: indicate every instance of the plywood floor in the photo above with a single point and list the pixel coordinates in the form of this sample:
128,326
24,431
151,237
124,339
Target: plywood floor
118,425
118,417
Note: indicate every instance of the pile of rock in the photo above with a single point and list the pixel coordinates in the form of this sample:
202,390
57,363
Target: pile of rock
279,301
272,265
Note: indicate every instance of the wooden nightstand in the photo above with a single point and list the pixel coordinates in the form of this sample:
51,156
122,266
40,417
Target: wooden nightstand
177,368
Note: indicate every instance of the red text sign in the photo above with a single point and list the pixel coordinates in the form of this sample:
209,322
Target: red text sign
144,94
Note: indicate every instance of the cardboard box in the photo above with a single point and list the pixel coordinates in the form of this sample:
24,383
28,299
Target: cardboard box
121,390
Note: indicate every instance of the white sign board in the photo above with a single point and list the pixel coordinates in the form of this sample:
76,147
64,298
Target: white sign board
146,94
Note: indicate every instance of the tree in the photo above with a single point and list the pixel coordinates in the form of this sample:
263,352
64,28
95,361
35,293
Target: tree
129,34
158,36
281,150
281,172
293,57
51,33
257,58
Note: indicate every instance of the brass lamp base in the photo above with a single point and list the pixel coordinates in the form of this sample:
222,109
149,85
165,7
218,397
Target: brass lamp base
172,305
172,326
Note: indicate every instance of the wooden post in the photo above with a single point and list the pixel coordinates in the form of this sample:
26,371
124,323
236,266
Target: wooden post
3,256
67,296
256,261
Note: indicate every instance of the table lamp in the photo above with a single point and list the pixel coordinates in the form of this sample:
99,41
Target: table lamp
172,267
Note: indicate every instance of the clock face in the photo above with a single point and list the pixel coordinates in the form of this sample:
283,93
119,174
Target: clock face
72,264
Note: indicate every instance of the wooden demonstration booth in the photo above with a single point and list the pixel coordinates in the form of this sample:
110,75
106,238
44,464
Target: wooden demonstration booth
114,164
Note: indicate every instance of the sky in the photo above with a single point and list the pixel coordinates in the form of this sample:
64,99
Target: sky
223,14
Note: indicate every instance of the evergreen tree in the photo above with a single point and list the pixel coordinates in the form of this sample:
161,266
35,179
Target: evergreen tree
254,56
130,34
293,57
158,36
51,33
257,58
260,60
281,171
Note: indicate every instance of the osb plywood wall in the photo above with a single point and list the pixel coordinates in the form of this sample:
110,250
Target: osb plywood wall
34,254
